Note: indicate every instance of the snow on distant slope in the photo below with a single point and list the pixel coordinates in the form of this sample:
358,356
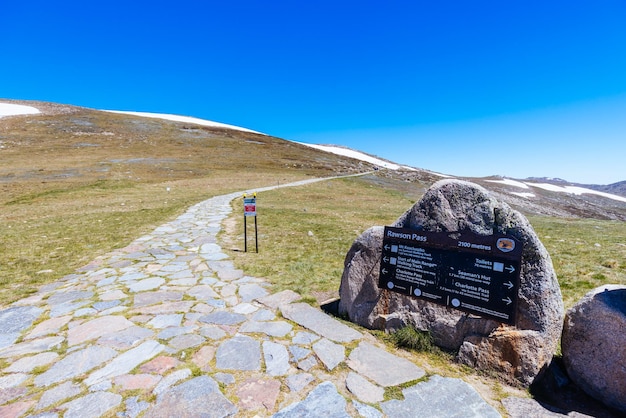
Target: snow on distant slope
576,190
357,156
186,119
11,109
510,182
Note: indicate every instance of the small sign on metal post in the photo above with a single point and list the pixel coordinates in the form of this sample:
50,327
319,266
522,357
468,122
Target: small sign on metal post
474,273
249,209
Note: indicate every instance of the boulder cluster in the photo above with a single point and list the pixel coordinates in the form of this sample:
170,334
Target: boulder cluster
519,353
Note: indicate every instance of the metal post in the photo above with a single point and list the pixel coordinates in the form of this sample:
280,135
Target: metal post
256,237
245,230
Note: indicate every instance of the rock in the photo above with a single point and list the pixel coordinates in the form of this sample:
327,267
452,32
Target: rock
75,364
363,389
258,394
329,353
518,354
239,353
594,337
276,358
92,405
319,322
198,397
323,401
383,367
440,397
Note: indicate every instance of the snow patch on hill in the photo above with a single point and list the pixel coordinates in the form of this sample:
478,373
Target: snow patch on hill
510,182
575,190
357,155
11,109
186,119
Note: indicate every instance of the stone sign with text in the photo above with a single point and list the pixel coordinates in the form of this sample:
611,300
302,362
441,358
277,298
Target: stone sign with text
474,273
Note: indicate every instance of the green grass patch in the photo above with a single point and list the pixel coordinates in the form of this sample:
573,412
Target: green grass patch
304,233
586,253
413,339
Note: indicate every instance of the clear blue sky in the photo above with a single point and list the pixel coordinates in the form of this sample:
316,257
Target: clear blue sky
516,88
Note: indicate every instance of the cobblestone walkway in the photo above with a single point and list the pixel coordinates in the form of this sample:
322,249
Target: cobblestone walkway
167,327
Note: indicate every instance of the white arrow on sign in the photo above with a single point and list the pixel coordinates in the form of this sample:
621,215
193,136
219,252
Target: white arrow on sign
507,300
511,269
386,247
386,259
509,285
384,271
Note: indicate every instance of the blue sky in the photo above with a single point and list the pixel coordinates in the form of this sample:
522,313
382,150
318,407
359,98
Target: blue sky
532,88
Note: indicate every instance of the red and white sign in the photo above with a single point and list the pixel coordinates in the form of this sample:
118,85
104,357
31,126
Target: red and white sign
249,206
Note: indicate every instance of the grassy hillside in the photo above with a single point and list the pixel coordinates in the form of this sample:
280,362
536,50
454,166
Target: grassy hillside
77,183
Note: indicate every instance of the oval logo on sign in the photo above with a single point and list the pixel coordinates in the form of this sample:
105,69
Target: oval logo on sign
505,245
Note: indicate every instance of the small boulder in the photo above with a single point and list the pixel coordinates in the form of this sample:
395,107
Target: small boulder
519,353
593,345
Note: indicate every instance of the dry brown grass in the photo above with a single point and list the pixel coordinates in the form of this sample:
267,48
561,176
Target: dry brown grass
77,183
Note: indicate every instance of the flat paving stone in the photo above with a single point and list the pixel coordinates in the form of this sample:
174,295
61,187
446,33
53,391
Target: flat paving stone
75,364
160,365
9,394
16,409
58,393
142,381
27,364
134,407
198,397
440,397
91,405
382,367
274,329
252,291
125,362
366,411
257,394
363,389
297,382
329,353
319,322
305,338
202,292
126,338
152,298
239,353
37,345
96,328
185,341
324,402
170,380
59,298
276,300
146,284
223,318
276,358
17,319
166,320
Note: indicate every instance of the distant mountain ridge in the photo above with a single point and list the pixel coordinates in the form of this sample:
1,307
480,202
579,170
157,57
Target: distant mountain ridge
618,188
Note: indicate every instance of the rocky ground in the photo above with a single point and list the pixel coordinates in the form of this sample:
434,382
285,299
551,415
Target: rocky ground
168,327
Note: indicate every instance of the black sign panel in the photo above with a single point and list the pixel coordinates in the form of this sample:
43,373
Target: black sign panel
473,273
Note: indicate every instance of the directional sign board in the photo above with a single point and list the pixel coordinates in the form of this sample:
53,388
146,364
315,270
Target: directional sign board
474,273
249,206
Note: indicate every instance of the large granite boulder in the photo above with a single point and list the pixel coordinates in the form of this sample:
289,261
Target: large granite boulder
594,345
519,353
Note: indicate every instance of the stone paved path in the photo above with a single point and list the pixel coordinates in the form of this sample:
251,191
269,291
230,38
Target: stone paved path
167,327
